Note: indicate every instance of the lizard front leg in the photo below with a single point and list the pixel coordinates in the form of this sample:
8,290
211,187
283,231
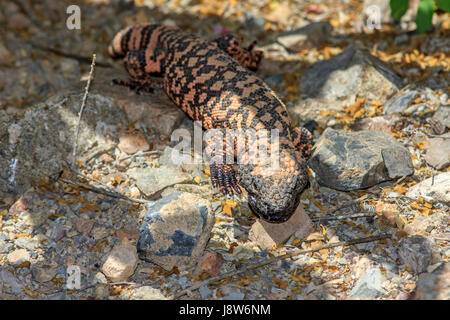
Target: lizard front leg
219,153
245,56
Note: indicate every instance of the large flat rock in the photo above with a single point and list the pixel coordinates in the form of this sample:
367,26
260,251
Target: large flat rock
335,83
346,161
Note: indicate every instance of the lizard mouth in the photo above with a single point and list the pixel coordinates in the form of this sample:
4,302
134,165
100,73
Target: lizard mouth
271,214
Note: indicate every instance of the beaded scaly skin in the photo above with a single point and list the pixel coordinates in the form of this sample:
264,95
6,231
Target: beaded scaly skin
214,83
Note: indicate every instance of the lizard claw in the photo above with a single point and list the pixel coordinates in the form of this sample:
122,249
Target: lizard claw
134,85
224,178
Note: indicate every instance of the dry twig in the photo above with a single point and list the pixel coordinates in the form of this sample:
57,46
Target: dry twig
86,92
350,216
276,259
112,194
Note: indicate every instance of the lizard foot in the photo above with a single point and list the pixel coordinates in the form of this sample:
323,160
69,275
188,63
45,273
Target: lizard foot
224,178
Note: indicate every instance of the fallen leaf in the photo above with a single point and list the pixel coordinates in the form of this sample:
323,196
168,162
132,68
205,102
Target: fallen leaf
400,189
31,293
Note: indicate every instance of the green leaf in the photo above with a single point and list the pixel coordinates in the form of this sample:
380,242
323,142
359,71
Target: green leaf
443,5
398,8
424,15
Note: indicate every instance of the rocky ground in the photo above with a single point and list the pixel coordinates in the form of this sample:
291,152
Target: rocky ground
377,101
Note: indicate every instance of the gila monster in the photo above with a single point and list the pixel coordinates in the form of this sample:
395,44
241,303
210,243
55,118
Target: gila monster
214,83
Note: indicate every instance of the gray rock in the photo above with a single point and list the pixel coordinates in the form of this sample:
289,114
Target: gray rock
121,262
394,161
400,102
423,224
5,246
27,243
313,34
148,293
175,230
37,145
205,292
152,180
234,296
32,218
274,81
438,152
253,20
434,285
416,253
18,257
436,188
370,285
382,123
43,274
57,296
155,112
14,284
353,160
335,83
101,292
442,114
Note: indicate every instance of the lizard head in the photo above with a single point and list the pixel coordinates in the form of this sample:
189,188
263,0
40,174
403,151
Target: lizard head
274,194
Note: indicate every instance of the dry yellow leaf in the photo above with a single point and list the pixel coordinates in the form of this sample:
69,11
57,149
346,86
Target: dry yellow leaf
415,205
387,190
395,134
299,278
219,220
197,179
410,286
22,234
421,145
417,100
400,189
359,113
403,219
280,283
88,207
325,113
31,293
401,234
95,175
318,205
421,170
333,268
62,201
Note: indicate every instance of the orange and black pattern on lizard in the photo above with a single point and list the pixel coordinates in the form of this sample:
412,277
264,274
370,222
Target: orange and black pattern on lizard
213,83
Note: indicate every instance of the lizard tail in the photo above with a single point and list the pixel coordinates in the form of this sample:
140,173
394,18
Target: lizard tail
134,37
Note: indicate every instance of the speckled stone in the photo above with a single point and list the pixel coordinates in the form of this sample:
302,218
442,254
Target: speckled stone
175,230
